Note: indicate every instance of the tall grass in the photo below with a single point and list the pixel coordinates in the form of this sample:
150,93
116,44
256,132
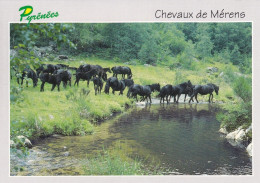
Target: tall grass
106,163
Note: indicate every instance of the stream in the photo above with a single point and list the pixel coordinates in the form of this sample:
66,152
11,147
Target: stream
182,139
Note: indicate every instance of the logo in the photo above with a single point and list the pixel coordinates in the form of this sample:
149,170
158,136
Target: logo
27,11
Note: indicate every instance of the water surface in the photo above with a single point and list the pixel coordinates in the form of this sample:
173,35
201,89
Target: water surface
180,139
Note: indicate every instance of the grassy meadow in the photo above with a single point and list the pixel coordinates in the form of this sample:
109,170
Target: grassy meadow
74,110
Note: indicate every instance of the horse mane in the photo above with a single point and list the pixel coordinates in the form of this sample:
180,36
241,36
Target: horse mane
214,86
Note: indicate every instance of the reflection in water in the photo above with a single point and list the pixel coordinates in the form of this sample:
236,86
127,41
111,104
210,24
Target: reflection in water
182,139
185,137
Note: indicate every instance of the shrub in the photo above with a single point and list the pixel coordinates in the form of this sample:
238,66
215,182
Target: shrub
243,88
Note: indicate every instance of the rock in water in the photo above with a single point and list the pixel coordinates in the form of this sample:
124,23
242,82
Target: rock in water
223,130
249,149
25,141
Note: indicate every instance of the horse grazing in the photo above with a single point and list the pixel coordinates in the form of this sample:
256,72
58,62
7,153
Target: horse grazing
122,70
182,88
84,76
98,85
115,84
65,76
29,73
204,90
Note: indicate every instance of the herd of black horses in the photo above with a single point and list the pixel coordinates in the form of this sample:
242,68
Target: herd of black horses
55,74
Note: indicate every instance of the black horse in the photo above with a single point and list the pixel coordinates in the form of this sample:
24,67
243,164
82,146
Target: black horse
49,68
84,76
122,70
29,73
65,76
143,91
183,88
115,84
165,92
128,82
204,90
54,79
98,85
100,71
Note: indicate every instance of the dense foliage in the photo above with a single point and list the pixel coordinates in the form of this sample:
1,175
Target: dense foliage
152,43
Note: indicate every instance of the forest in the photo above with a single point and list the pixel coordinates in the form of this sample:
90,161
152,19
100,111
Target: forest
175,45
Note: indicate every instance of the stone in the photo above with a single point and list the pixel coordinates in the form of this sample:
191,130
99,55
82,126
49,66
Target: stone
221,74
51,116
12,144
147,65
62,57
140,104
212,69
240,135
249,129
249,149
237,135
66,154
25,141
223,130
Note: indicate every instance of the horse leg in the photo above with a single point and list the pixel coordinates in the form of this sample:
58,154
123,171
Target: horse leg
22,82
26,83
196,98
150,99
88,83
18,81
58,85
53,86
212,98
185,97
178,98
42,87
191,99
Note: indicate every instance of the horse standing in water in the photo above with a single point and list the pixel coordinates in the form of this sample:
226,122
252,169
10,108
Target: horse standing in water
204,90
143,91
183,88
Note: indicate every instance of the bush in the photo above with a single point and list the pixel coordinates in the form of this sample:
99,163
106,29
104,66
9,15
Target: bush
243,88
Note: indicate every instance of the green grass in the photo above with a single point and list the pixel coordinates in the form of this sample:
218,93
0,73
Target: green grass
69,112
72,112
107,164
119,159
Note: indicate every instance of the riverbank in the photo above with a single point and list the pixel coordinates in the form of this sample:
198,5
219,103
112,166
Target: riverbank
75,110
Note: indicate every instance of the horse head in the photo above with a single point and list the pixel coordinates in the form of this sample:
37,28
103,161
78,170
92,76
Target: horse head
155,87
216,88
35,81
106,90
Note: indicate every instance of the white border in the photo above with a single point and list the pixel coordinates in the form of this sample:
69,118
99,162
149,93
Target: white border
186,178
